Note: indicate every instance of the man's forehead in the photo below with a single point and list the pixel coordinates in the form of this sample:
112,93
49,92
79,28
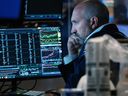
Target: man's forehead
77,13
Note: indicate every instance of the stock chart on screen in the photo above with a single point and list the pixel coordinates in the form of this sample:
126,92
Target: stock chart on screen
51,51
30,52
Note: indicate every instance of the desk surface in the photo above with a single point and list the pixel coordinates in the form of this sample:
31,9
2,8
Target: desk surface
43,93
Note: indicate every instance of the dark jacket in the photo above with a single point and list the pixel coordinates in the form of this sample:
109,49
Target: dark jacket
73,71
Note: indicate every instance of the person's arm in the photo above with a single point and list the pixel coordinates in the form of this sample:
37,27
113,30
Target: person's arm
73,67
73,71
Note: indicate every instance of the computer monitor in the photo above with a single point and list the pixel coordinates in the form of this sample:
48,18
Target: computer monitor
27,53
43,9
51,50
11,12
123,28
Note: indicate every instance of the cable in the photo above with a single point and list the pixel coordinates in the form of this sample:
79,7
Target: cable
5,91
19,83
9,89
10,86
30,88
3,83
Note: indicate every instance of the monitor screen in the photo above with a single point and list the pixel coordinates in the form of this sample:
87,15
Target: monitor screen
51,50
11,12
43,9
30,52
123,28
108,3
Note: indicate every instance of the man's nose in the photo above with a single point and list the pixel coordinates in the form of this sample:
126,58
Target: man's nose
73,30
73,33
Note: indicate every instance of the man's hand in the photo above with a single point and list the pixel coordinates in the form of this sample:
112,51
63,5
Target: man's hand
74,44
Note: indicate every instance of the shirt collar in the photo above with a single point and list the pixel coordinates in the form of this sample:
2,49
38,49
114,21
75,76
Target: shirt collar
95,31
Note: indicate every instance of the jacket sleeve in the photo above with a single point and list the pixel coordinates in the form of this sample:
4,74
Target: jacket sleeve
73,71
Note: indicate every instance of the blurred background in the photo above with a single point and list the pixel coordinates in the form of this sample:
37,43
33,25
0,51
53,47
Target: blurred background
19,14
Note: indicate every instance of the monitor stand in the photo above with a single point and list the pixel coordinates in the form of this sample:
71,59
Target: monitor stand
14,86
16,92
14,89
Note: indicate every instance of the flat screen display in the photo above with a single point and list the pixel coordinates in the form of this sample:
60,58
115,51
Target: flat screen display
11,12
27,53
43,9
123,28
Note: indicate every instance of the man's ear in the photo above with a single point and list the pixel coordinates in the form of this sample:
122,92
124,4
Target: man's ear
93,22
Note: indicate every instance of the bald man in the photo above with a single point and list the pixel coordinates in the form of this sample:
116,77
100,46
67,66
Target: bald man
89,19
